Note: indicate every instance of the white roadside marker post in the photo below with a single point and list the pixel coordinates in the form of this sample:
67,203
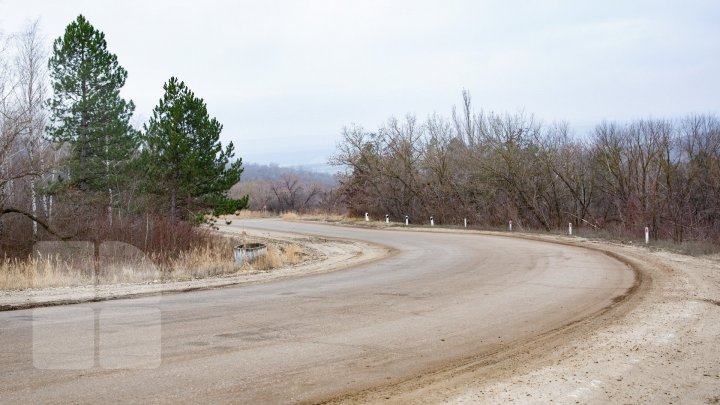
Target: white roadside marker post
465,222
570,228
387,218
432,221
407,220
647,235
367,217
510,226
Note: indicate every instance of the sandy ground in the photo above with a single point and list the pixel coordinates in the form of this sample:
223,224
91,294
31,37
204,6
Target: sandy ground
326,255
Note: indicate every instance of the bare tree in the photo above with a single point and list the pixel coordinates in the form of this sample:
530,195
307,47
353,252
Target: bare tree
22,120
491,167
31,64
292,195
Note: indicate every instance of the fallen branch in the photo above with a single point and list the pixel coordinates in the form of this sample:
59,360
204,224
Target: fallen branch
35,219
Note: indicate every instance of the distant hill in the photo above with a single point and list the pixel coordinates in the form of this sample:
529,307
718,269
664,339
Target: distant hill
271,172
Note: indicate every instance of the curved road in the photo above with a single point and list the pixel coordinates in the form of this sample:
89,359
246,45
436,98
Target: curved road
439,298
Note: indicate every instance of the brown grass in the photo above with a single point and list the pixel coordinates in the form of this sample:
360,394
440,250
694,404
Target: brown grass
272,260
18,274
290,215
292,254
280,255
314,216
688,248
324,217
212,259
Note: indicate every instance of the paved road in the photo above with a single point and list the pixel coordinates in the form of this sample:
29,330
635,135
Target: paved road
441,297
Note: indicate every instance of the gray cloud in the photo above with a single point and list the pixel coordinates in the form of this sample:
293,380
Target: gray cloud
285,76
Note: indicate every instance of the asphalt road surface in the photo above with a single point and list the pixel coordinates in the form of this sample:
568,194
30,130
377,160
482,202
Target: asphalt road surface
439,298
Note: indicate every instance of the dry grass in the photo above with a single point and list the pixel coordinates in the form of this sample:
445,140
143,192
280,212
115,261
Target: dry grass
273,259
314,216
16,274
292,254
688,248
290,215
40,272
212,259
327,217
249,214
209,260
279,255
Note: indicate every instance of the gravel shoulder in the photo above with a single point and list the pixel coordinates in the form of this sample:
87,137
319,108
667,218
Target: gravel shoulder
327,255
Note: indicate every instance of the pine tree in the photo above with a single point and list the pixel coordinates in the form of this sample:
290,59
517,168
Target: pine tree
87,111
186,161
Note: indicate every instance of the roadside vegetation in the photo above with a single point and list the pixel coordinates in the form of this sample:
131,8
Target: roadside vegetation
494,168
76,167
277,189
210,256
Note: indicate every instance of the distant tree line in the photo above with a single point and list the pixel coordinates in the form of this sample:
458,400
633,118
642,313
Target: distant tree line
282,189
492,168
72,166
272,171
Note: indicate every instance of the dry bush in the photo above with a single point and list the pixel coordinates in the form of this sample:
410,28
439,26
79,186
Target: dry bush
89,222
18,242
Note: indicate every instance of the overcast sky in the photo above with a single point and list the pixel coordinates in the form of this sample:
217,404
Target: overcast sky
285,76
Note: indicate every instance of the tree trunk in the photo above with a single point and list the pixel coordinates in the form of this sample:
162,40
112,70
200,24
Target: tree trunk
33,203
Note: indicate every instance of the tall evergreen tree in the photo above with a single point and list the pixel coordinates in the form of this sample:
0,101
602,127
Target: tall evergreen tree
186,161
87,111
